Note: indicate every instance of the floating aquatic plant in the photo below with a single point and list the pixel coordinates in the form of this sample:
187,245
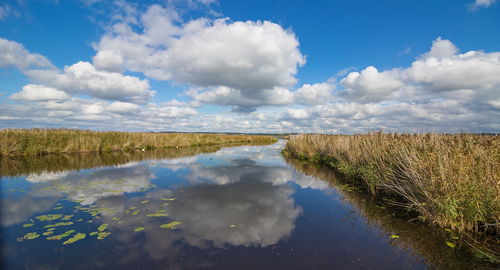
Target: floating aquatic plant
30,236
58,224
232,226
76,237
27,225
93,233
138,229
102,227
61,236
171,225
49,217
157,215
394,236
67,217
102,235
450,244
145,201
47,233
168,199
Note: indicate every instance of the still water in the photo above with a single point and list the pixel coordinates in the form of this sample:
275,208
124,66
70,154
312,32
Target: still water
239,207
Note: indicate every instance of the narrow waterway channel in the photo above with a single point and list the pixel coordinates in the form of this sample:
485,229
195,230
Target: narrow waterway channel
241,207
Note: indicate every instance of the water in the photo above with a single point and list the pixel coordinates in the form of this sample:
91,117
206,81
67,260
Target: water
232,208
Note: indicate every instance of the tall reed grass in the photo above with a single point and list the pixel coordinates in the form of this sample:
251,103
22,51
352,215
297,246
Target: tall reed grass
449,180
43,141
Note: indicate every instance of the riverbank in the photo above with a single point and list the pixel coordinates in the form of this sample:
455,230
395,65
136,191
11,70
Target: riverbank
22,142
448,180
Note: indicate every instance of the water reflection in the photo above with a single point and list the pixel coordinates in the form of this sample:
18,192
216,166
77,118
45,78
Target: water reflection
423,242
237,204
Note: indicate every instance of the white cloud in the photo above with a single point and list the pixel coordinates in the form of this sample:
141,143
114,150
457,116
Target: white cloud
314,94
15,54
84,78
123,107
441,48
481,3
243,60
370,85
242,102
35,92
441,73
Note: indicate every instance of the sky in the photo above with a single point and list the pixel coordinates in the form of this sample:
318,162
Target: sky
270,66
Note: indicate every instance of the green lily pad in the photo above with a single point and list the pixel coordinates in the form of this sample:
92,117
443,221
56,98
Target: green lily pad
157,215
49,217
58,224
394,236
102,235
76,237
67,217
450,244
27,225
103,227
168,199
93,233
47,233
171,225
232,226
61,236
31,236
138,229
57,208
145,201
455,237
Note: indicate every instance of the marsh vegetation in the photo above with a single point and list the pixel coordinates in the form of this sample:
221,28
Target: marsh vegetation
448,180
16,142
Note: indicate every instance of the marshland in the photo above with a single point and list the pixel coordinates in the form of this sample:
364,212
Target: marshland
383,201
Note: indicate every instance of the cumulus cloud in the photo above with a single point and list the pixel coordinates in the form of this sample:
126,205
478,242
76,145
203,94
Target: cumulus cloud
79,78
314,94
442,73
123,107
35,92
83,77
242,60
16,55
370,85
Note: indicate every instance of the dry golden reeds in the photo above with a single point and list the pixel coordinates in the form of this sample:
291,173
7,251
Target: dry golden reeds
43,141
449,180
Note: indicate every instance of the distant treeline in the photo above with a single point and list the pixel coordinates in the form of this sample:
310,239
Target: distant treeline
449,180
20,142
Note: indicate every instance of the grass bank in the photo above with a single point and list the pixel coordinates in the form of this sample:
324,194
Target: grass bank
448,180
20,142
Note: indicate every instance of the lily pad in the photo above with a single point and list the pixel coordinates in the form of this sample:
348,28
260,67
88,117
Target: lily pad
394,236
102,235
57,208
47,233
76,237
67,217
93,233
49,217
455,237
103,227
61,236
232,226
58,224
157,215
145,201
27,225
138,229
450,244
171,225
31,236
168,199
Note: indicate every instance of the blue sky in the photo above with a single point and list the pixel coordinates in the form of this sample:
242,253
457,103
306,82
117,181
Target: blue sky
251,66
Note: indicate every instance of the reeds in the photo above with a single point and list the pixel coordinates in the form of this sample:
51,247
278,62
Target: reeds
448,180
17,142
